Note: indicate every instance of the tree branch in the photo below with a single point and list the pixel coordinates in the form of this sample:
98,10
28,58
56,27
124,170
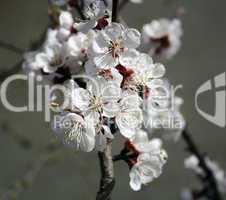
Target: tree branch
10,47
212,192
14,69
107,182
115,11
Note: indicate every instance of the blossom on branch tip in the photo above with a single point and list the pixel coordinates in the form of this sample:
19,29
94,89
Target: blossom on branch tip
192,163
162,38
150,161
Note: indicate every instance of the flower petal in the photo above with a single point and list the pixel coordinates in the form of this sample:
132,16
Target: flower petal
105,61
100,44
129,58
110,109
66,19
135,181
129,122
158,70
131,38
114,31
80,98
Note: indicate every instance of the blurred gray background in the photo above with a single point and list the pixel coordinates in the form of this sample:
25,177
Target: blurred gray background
76,175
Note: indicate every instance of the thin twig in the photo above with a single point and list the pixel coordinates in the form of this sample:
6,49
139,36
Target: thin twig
192,148
34,45
10,47
115,11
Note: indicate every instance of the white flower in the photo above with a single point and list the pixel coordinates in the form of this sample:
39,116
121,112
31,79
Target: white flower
144,68
192,163
65,25
111,44
149,162
77,44
130,116
51,58
29,64
75,131
162,37
100,99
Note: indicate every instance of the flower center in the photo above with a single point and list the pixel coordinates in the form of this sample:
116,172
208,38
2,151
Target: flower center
56,61
74,131
116,48
163,42
96,103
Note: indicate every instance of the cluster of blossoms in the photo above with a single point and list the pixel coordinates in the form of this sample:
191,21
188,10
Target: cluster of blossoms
111,85
192,163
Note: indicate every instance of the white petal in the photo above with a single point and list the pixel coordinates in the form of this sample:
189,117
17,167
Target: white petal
76,43
114,31
87,142
72,135
129,58
129,122
146,172
105,61
90,68
131,38
153,146
80,98
85,27
51,37
117,77
42,59
130,101
156,143
191,162
140,137
110,92
135,181
93,116
63,34
66,19
144,62
110,109
100,44
158,70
